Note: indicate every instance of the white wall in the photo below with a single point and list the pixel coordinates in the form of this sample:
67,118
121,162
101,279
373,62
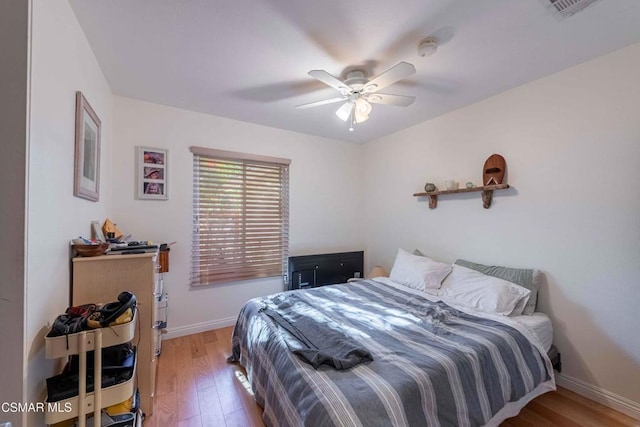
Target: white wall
572,146
14,72
572,143
325,196
62,63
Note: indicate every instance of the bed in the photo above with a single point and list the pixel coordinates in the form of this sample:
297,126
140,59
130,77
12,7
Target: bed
376,352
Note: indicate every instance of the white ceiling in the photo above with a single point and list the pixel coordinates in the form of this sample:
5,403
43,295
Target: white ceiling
248,59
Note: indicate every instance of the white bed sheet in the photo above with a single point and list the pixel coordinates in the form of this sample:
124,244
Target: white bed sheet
540,325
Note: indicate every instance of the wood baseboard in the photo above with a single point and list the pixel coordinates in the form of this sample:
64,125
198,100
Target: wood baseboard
600,395
198,327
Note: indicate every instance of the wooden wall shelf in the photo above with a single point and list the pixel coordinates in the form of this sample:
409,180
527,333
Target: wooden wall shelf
487,194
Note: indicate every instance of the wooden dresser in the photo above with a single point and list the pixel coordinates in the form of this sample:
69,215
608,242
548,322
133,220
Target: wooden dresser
101,279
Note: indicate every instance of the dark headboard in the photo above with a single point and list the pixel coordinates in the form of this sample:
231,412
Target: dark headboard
310,271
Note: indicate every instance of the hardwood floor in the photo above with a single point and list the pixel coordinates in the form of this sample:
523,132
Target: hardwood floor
196,387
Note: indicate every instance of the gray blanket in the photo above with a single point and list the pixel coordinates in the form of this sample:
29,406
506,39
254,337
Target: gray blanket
432,365
321,345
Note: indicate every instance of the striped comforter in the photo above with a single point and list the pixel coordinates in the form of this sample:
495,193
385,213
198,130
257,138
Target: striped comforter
432,365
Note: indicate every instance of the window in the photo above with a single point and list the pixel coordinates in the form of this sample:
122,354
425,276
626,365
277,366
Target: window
240,216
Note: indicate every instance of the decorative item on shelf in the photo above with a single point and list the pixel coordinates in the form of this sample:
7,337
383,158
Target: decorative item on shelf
451,184
493,170
429,187
493,179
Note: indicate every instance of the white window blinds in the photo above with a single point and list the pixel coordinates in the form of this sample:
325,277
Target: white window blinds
240,216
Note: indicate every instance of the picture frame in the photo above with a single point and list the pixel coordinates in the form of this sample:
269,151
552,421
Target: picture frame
152,173
86,182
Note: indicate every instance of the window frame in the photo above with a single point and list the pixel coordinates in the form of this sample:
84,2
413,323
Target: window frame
248,266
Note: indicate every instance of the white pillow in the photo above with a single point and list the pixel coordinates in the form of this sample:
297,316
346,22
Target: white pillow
418,272
484,293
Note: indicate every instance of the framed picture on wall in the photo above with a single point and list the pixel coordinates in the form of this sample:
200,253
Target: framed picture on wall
151,182
86,182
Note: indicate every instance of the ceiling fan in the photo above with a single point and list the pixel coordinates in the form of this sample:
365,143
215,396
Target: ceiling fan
358,92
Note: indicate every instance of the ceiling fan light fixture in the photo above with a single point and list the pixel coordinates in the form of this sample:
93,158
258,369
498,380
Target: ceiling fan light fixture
363,106
344,112
362,110
357,91
360,118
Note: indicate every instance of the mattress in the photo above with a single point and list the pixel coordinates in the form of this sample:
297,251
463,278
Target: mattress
432,364
540,326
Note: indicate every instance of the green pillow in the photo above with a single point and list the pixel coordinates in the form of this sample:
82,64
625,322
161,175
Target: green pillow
525,277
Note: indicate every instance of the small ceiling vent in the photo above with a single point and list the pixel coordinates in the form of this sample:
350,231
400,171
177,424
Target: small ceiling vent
565,8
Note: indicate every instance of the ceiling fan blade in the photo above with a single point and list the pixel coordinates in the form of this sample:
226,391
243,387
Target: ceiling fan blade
389,77
323,102
388,99
344,112
328,79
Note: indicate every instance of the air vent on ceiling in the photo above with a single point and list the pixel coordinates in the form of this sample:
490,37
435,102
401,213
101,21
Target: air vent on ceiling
565,8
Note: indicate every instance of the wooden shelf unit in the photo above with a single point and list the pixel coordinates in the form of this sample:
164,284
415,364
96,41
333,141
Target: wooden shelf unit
487,194
98,279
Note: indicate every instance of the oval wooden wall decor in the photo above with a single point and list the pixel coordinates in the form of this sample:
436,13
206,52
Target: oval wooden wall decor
493,170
